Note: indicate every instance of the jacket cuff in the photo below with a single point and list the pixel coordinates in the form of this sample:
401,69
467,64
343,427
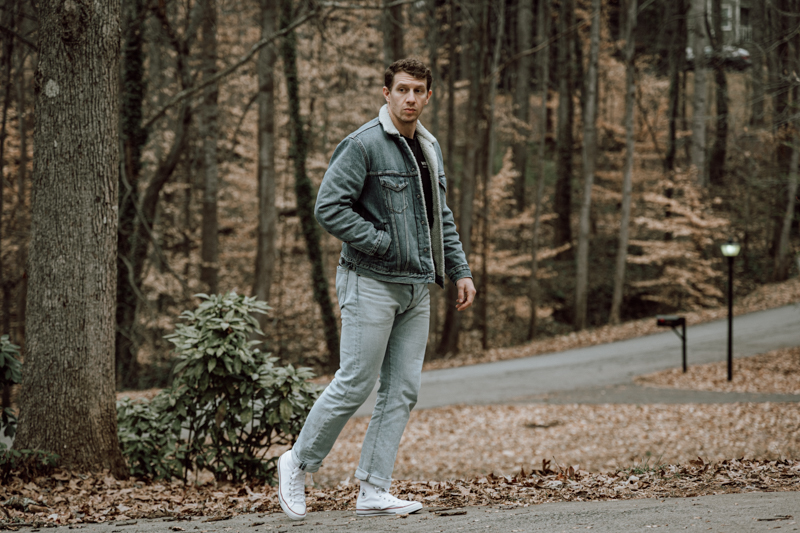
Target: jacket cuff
461,271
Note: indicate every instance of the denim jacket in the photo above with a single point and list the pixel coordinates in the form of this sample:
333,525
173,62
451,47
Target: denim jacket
371,199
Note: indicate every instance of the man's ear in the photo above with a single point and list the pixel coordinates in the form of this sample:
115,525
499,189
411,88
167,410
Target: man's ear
386,93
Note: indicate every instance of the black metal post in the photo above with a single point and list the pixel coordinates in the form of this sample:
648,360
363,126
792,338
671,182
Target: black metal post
683,338
730,318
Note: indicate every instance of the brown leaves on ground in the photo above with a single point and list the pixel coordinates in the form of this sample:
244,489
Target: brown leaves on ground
777,371
74,499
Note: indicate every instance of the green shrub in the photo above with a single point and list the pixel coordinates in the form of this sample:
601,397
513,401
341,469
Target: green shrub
25,464
10,374
228,404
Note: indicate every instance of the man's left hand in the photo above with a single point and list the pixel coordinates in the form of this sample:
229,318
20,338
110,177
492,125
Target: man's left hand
466,293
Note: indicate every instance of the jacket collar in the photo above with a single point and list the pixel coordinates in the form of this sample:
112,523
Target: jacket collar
391,129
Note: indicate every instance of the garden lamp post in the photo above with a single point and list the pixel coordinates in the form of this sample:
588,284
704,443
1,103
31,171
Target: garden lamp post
730,250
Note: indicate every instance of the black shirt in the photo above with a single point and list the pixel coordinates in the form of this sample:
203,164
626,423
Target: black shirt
416,149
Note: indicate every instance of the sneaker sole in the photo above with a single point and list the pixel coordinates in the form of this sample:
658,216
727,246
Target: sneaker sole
413,508
287,511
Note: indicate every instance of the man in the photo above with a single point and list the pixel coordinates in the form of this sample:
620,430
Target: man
383,195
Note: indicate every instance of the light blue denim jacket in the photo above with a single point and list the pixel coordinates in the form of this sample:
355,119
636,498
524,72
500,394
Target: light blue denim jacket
371,199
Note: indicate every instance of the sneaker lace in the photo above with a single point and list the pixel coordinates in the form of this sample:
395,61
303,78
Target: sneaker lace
297,485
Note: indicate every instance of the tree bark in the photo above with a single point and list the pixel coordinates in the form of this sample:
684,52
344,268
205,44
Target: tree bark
544,71
267,215
677,53
522,98
698,16
630,96
67,398
589,164
209,132
562,204
392,30
782,263
298,151
716,160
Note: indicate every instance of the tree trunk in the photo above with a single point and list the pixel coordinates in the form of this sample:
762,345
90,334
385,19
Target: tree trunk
562,204
67,399
488,171
433,63
392,30
630,95
716,160
298,151
267,215
677,53
589,164
8,48
758,18
134,138
544,71
782,263
698,17
209,132
521,97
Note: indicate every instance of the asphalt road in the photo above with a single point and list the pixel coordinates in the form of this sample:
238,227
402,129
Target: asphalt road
605,366
743,512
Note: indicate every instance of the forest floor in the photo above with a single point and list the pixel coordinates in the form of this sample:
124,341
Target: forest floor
503,455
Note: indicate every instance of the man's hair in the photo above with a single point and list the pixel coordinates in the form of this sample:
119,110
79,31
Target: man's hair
414,67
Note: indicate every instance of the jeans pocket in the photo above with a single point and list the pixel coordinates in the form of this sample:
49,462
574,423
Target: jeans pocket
342,279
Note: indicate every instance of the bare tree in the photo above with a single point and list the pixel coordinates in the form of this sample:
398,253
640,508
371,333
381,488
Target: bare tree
677,46
589,164
716,160
544,70
267,215
757,53
562,204
209,132
67,399
698,18
522,97
630,96
298,152
392,30
8,47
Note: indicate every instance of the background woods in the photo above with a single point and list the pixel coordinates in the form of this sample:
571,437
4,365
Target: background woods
597,153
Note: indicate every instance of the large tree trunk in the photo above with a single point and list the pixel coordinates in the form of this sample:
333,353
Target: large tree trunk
716,160
67,399
589,164
522,96
544,70
267,215
630,96
698,17
209,131
298,152
392,30
562,204
677,53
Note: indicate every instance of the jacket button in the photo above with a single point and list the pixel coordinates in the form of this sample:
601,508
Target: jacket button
425,250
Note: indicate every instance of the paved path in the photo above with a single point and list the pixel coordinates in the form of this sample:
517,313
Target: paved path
722,513
608,365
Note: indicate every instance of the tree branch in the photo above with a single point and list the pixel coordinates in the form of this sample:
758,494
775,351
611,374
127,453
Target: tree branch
186,93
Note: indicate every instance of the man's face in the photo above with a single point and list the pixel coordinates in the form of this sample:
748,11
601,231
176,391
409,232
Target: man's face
407,97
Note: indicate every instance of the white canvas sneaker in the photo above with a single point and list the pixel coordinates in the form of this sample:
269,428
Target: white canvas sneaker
291,487
374,501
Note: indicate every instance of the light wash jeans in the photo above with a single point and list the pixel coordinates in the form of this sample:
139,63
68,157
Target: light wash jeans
384,331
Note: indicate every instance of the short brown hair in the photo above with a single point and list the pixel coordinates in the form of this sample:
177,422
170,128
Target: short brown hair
414,67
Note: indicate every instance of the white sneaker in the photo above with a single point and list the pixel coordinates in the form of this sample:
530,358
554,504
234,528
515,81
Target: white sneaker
291,487
374,501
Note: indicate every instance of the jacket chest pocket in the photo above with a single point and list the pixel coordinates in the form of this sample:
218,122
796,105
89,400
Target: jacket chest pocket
394,194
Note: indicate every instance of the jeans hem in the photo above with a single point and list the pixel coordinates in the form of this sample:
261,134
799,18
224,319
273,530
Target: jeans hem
305,467
373,479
